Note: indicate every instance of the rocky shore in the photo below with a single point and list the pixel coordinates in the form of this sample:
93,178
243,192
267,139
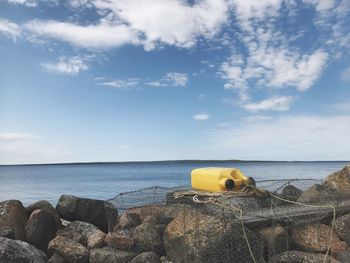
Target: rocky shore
76,231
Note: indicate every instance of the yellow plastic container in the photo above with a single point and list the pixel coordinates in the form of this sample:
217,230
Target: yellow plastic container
213,179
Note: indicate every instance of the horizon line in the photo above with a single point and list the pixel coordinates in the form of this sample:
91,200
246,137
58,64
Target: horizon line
171,161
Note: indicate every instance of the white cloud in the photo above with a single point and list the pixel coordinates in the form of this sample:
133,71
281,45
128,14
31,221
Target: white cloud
102,35
66,65
346,74
120,83
257,118
172,79
172,22
277,103
28,3
12,136
135,22
10,29
19,148
342,106
285,138
201,117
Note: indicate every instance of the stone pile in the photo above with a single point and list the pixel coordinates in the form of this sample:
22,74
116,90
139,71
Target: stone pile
76,231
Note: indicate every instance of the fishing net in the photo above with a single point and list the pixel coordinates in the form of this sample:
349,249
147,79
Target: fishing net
278,221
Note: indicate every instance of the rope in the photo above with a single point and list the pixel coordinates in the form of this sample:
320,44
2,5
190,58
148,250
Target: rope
250,190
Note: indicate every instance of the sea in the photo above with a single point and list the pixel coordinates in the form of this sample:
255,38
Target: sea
30,183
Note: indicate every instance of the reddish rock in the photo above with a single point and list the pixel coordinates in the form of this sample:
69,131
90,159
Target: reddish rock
340,180
119,241
96,239
71,251
314,237
127,221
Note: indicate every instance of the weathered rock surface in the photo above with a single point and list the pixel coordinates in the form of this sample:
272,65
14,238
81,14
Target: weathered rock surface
16,251
71,251
314,237
162,214
41,228
96,239
13,215
126,221
92,211
340,180
294,256
275,239
290,192
343,256
78,231
7,231
148,238
110,255
342,227
56,258
119,241
46,206
317,194
146,257
195,237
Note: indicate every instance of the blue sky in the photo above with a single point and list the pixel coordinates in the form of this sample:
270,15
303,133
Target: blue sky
125,80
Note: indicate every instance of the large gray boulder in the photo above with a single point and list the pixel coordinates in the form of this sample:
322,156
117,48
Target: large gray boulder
195,237
147,237
13,216
110,255
78,231
74,208
71,251
317,194
290,192
340,180
16,251
41,228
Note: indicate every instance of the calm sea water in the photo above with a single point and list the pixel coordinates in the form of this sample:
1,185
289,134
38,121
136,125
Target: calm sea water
30,183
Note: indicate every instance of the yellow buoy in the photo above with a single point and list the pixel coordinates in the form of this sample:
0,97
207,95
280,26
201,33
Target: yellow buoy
213,179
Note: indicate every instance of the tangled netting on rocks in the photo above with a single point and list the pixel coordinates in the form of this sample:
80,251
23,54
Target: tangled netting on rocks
295,220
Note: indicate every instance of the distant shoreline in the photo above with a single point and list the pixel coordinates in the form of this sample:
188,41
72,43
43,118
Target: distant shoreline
171,162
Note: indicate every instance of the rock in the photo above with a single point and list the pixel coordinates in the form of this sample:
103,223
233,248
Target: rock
314,237
71,251
126,221
78,231
195,237
343,256
41,228
148,238
342,227
13,215
162,214
290,192
119,241
16,251
146,257
110,255
93,211
317,194
56,258
339,247
340,180
46,206
96,239
149,220
7,231
275,239
294,256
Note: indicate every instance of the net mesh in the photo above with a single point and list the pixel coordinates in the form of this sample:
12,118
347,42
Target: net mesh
294,221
